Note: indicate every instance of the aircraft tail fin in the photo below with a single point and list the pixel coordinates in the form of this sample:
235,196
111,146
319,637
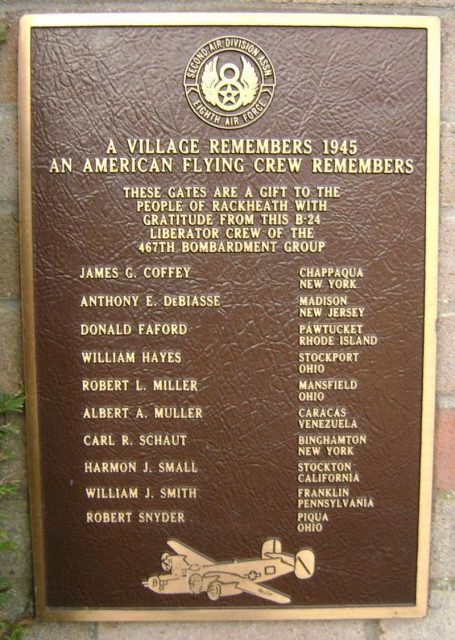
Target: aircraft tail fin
272,545
304,564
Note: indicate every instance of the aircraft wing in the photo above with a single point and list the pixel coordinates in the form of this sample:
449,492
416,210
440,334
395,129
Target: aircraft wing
261,591
247,586
192,556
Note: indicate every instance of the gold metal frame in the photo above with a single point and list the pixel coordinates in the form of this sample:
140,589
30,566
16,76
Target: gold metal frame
431,25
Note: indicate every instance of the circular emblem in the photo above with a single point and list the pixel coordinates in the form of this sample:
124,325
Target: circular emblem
229,82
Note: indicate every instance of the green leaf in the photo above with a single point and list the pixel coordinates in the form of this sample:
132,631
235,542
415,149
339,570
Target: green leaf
6,454
8,429
11,403
11,631
6,544
3,30
5,587
7,489
16,633
4,583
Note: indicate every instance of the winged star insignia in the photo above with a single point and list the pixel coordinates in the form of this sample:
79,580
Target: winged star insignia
230,89
229,82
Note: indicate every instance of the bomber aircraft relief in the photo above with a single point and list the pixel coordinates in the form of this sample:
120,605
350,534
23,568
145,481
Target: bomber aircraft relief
192,572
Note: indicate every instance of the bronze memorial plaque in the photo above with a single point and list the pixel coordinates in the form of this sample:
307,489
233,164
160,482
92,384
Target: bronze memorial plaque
229,279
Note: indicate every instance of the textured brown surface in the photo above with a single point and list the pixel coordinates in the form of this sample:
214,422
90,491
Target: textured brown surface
91,84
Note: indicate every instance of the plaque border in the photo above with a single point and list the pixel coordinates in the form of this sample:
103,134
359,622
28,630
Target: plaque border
432,26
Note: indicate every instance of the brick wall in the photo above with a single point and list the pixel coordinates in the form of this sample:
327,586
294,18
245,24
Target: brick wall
440,622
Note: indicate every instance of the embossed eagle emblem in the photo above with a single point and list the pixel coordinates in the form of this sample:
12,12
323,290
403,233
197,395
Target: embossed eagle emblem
230,89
